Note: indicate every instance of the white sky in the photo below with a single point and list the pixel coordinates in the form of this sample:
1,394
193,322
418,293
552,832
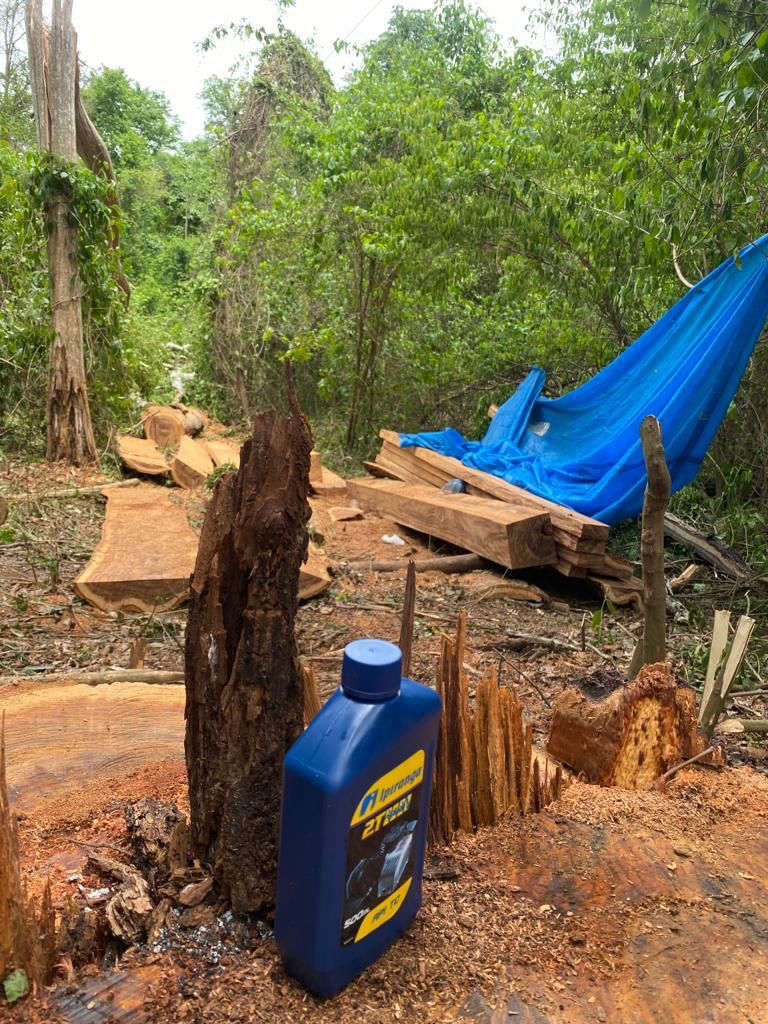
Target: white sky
154,41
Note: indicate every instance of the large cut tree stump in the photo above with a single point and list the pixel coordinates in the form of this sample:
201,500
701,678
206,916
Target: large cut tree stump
631,737
245,693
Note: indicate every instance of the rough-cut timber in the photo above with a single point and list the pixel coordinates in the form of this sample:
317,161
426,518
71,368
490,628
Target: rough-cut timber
330,485
631,737
145,556
163,425
492,486
223,454
512,537
245,693
141,455
191,465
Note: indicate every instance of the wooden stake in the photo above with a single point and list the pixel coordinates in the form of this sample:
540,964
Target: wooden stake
652,647
409,609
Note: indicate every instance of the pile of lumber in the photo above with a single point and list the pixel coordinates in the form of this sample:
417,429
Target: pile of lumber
172,445
489,515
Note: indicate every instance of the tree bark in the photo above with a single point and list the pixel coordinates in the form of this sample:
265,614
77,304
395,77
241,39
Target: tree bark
245,693
53,63
652,648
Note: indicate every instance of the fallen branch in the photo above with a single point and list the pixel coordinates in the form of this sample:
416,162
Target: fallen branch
73,492
447,564
120,675
753,724
519,641
662,779
709,549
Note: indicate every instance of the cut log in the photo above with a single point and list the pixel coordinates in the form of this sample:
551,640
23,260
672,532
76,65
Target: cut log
314,577
195,420
141,455
163,425
631,737
245,692
223,454
709,549
508,536
191,465
145,556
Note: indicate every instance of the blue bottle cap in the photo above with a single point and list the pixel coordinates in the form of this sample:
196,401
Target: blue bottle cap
371,670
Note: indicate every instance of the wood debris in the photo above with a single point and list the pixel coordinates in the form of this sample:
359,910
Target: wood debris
484,766
191,464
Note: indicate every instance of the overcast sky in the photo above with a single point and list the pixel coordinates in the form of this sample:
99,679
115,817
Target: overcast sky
155,41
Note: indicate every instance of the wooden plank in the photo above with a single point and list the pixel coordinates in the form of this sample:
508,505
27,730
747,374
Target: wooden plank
332,486
191,465
716,652
512,537
145,556
566,519
603,563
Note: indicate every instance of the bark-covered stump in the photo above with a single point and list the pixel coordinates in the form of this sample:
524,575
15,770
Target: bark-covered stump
631,737
245,697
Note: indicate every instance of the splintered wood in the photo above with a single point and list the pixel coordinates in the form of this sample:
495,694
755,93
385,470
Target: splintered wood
27,933
484,767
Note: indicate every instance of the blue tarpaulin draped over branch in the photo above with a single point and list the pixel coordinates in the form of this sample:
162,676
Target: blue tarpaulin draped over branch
583,449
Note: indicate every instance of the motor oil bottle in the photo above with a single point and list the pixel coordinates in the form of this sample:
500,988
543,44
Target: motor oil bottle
356,789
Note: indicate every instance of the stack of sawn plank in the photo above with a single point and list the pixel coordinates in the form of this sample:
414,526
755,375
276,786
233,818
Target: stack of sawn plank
497,520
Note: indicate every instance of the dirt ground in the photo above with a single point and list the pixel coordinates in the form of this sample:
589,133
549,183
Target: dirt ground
609,906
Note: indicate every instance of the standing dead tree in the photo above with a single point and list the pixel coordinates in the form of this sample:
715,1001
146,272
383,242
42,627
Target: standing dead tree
245,692
64,130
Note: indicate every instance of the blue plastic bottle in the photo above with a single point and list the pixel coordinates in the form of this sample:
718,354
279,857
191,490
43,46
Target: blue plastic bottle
356,788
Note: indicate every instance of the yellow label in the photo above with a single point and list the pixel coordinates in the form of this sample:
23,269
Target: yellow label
383,911
391,787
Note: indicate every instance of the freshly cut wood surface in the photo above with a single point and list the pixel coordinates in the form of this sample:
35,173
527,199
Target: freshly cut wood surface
191,465
564,518
620,591
604,563
58,734
141,455
332,485
163,425
508,536
223,454
145,556
315,467
631,737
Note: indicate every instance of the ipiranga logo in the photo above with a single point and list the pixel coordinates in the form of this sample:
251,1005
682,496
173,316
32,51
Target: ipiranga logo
391,787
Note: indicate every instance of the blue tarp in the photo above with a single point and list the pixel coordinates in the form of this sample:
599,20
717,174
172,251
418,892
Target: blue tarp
583,449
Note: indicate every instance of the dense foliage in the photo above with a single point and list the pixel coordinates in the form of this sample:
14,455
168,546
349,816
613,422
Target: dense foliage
418,237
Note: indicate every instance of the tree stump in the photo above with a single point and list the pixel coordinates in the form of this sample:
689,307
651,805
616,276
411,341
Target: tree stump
245,693
631,737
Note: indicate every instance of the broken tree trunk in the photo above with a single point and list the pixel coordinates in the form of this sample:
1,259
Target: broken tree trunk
652,646
631,737
53,62
245,692
709,549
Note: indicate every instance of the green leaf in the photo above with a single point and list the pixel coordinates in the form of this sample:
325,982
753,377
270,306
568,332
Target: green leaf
16,986
643,8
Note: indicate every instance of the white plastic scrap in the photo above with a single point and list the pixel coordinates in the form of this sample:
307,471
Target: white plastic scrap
392,538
